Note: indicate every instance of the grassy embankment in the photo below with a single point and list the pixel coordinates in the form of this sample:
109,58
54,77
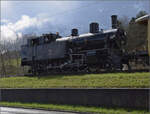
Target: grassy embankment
107,80
100,110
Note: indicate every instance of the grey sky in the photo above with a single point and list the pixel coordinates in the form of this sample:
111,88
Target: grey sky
61,16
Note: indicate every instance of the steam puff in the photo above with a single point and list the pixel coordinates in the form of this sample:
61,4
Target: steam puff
10,31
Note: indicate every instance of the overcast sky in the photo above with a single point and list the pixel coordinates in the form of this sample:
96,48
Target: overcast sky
26,17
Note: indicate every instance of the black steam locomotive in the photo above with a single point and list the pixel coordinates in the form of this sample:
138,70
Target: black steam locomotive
98,49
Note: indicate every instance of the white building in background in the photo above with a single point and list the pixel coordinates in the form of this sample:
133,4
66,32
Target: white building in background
146,21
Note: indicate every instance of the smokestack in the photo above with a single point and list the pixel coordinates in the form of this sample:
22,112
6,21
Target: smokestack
94,27
74,32
114,21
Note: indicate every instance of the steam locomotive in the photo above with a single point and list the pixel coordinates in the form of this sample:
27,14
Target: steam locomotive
98,49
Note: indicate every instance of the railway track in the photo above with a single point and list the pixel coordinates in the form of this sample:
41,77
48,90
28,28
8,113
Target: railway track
77,73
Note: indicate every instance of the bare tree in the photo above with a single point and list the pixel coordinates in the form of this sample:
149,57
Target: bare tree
2,60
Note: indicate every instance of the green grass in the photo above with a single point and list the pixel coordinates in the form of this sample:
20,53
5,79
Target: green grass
13,62
12,66
74,108
107,80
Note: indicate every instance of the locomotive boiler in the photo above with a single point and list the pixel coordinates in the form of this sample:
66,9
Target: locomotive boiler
98,49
